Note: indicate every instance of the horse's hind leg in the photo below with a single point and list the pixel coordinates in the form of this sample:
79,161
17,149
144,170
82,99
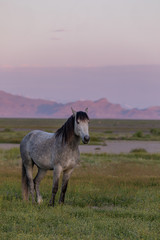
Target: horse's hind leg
29,173
66,176
41,173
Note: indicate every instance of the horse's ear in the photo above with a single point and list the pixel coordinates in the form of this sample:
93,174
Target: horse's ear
86,110
74,112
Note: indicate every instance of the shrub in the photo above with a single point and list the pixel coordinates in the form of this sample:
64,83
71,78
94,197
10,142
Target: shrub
7,130
138,134
155,131
138,150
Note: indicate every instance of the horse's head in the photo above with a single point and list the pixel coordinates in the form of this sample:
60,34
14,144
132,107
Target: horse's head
81,125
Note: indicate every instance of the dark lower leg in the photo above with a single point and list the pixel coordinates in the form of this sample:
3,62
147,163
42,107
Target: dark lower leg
63,191
66,176
54,191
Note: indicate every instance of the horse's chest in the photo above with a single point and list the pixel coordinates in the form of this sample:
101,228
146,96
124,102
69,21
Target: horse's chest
69,160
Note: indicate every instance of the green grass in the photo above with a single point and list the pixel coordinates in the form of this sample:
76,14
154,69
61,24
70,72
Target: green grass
109,197
13,130
12,136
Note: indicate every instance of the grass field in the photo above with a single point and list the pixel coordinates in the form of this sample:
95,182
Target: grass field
13,130
109,197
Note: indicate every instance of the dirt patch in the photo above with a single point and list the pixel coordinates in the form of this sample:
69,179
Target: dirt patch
8,145
111,147
122,147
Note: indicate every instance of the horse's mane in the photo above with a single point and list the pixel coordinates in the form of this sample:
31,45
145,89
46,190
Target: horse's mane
67,130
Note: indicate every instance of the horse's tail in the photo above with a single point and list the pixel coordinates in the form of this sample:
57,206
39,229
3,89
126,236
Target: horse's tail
25,187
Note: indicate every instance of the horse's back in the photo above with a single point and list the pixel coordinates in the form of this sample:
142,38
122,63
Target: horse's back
37,145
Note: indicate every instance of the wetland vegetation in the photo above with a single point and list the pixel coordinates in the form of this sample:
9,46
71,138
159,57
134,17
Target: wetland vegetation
110,196
13,130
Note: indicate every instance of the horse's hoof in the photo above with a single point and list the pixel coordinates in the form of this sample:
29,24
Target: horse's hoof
39,200
50,204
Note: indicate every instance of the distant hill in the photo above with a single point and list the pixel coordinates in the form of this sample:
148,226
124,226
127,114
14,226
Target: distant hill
22,107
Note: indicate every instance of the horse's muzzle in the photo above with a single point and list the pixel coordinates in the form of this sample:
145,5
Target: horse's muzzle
86,139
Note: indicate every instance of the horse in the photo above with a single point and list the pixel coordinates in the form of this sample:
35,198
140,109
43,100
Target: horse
57,151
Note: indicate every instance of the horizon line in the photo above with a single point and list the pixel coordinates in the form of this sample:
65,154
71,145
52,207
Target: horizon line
23,66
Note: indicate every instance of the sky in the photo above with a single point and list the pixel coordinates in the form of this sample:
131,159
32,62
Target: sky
88,49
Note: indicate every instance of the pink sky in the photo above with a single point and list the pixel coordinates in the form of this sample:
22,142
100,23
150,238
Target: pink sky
70,50
79,33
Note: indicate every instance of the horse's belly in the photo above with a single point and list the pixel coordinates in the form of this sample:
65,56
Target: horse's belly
44,164
43,161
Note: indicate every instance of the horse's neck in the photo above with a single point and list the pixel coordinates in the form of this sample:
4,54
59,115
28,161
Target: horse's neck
73,143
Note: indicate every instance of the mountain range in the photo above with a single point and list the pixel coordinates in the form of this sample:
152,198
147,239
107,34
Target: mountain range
23,107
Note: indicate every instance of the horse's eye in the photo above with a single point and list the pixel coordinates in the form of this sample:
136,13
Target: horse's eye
77,122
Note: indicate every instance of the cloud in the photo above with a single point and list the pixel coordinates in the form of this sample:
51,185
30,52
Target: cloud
55,39
59,30
6,67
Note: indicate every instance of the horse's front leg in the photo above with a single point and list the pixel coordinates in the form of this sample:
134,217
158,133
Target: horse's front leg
56,176
66,176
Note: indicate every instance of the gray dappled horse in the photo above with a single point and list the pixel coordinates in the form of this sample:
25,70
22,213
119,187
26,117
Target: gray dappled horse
53,151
